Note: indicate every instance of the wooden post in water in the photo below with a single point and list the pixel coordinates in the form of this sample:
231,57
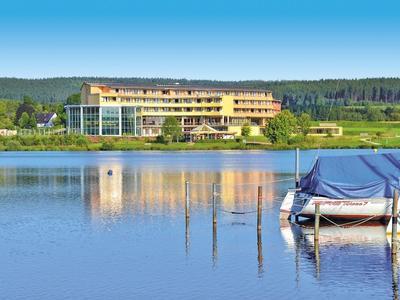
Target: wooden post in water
260,253
187,200
395,276
316,238
394,220
316,224
214,202
297,168
259,207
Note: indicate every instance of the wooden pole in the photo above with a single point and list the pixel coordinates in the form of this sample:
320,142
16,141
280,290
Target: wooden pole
260,253
316,224
259,207
395,276
297,168
214,202
187,202
394,220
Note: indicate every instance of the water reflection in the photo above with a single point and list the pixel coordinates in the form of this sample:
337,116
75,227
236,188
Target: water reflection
214,246
187,236
151,192
260,258
63,215
359,251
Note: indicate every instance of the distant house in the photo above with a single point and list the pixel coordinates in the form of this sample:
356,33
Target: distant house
325,129
45,119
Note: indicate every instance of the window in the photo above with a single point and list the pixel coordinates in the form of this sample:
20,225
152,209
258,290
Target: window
130,121
90,120
110,121
74,119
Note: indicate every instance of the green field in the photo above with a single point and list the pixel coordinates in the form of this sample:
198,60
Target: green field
372,128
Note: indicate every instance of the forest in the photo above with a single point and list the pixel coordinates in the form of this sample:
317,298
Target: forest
372,99
382,90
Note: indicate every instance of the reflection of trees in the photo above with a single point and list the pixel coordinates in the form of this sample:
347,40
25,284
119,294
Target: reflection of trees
43,177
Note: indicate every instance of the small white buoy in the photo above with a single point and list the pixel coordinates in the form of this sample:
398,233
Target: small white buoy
375,150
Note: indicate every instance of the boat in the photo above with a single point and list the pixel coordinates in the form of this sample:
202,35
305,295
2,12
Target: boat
346,187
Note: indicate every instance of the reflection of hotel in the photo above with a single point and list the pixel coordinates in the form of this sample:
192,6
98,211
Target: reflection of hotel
117,109
145,191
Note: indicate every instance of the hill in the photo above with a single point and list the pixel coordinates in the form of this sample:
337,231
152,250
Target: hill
293,93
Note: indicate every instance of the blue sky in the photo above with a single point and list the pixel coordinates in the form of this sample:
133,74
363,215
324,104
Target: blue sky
204,39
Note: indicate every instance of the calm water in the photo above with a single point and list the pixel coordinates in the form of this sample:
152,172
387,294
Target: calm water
70,231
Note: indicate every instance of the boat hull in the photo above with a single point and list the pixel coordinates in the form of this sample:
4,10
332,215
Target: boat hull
302,204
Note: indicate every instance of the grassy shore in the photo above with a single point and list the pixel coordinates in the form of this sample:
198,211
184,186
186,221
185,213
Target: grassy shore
356,135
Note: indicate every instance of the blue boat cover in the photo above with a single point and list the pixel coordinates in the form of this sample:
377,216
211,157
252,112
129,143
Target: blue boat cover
357,176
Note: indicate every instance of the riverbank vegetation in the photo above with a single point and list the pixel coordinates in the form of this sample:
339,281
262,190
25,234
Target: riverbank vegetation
356,135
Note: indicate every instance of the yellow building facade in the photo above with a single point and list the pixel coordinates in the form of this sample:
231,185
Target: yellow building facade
125,109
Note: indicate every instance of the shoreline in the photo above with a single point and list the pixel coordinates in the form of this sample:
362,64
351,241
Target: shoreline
184,148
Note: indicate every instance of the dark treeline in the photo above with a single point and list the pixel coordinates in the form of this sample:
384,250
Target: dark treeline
332,99
384,90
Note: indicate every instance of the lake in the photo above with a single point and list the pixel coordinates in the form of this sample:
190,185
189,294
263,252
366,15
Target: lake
68,230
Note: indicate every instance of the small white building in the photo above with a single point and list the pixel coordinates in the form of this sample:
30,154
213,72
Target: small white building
325,129
45,119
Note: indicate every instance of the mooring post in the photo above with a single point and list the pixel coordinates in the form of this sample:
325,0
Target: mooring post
214,202
214,245
297,168
394,220
259,253
316,224
187,202
259,207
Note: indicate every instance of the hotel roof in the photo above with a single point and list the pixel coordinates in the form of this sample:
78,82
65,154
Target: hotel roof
174,87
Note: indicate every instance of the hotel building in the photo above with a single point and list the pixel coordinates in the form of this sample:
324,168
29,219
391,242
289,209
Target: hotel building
117,109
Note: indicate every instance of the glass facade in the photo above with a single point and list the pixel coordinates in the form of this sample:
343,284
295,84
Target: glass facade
90,120
96,120
130,121
74,119
110,120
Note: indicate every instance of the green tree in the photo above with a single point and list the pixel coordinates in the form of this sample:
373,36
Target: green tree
374,114
304,123
279,129
74,99
27,100
32,121
24,120
246,130
171,129
24,108
61,114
